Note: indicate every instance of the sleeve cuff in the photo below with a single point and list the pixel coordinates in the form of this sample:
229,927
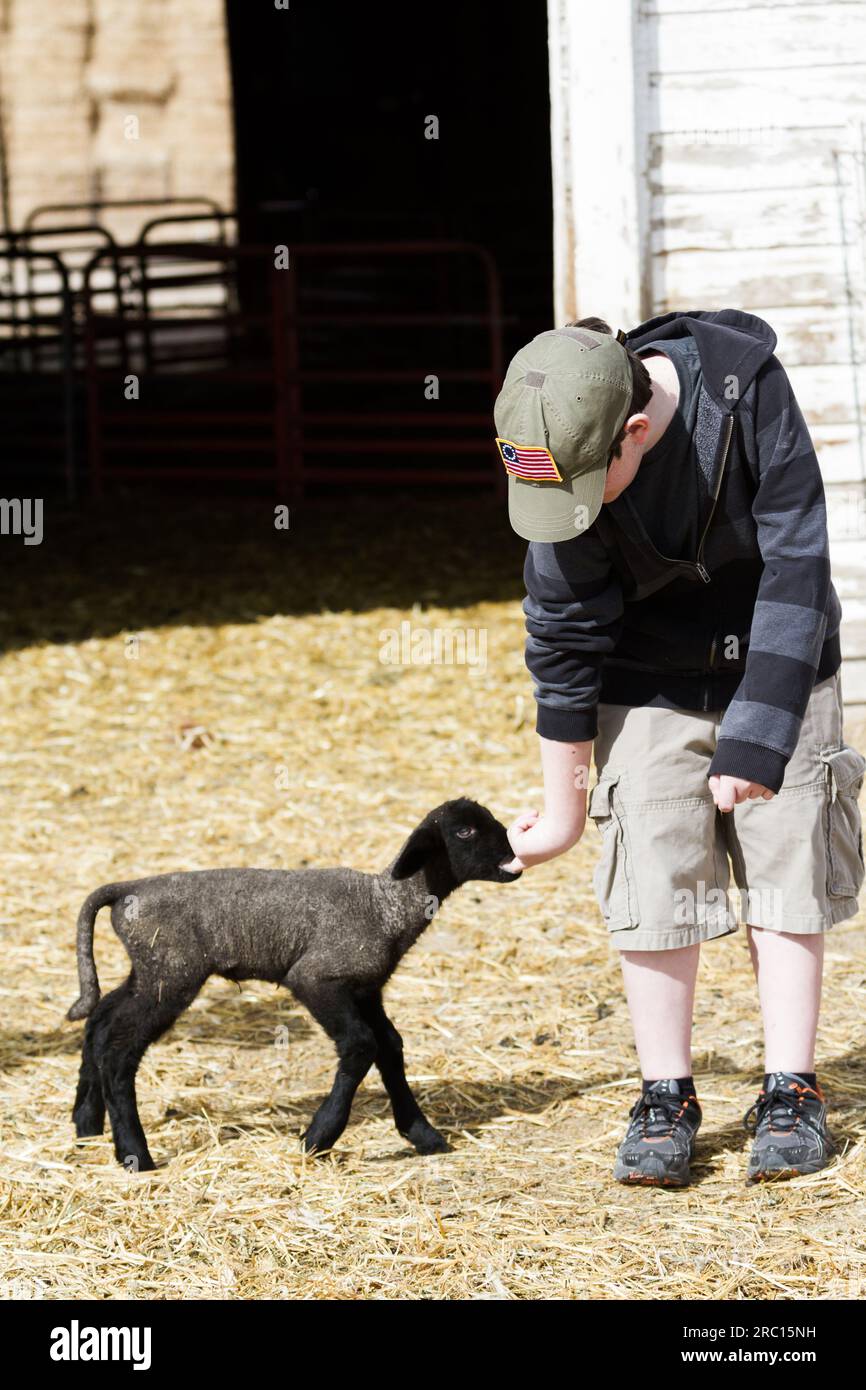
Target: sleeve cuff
566,725
753,761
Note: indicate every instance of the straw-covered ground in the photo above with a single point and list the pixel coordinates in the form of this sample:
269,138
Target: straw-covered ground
183,687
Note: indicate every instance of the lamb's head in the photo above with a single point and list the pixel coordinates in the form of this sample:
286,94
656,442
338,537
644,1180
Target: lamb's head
461,838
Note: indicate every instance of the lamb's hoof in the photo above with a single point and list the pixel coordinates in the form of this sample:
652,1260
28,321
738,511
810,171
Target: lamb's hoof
315,1144
136,1163
428,1140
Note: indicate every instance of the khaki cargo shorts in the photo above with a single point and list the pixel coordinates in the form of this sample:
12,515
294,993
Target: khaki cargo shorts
663,877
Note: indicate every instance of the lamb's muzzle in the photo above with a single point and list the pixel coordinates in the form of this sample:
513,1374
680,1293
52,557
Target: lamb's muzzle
332,936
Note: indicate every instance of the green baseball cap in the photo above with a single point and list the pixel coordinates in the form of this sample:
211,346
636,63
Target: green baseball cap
564,400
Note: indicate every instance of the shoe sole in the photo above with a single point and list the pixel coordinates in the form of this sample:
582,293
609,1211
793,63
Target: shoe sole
783,1174
642,1180
645,1177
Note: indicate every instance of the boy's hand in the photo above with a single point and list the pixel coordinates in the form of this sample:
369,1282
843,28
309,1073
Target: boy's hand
536,839
728,792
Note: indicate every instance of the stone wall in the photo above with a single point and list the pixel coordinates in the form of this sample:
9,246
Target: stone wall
115,99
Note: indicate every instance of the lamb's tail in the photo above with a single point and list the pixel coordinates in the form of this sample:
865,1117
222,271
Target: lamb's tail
88,981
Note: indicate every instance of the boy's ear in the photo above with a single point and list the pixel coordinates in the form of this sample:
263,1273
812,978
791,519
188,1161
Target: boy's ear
417,850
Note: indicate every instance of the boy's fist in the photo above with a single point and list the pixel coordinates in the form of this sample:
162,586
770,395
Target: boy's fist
535,839
728,792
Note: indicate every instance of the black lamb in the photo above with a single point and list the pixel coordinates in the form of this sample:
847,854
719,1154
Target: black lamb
332,936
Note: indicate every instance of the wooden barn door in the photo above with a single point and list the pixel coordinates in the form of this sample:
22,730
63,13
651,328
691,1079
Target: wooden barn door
730,172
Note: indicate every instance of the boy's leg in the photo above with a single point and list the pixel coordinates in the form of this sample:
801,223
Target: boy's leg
660,989
798,862
789,971
790,1114
661,883
659,1141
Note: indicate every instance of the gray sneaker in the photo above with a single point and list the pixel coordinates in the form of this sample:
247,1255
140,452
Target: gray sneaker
660,1141
789,1120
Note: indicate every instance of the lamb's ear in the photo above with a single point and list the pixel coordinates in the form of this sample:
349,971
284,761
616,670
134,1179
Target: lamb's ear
417,850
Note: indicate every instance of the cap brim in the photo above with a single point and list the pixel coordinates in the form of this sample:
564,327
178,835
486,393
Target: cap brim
556,511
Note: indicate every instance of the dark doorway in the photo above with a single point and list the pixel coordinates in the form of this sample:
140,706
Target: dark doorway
331,105
366,364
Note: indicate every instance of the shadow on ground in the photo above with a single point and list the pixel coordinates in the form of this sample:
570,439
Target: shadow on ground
241,1023
134,563
453,1105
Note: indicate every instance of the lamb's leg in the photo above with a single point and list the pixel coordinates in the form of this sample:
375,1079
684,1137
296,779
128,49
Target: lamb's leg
409,1118
121,1040
88,1113
334,1008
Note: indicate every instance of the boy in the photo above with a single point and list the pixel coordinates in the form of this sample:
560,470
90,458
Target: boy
681,616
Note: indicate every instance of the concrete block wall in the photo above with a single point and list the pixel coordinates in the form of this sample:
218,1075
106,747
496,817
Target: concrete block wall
115,99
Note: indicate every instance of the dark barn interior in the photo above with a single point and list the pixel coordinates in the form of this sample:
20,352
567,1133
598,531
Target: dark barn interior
416,266
312,385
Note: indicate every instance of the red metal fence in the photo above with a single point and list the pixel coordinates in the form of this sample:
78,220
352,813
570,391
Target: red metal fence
184,312
206,360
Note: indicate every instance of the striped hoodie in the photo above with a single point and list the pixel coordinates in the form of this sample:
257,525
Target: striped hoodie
748,622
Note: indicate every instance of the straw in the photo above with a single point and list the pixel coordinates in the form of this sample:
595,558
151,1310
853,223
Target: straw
257,725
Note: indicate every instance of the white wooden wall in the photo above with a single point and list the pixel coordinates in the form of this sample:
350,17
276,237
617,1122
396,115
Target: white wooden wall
712,153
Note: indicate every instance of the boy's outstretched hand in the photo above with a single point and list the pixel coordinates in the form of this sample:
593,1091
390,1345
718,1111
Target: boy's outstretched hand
728,792
535,839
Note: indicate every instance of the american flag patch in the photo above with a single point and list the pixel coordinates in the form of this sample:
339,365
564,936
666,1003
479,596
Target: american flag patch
529,461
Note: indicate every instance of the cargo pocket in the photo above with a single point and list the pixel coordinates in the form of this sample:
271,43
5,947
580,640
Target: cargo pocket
613,878
843,826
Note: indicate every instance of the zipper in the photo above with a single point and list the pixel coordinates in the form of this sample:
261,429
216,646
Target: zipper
699,565
729,430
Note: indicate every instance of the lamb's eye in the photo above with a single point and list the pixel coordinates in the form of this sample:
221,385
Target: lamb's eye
466,832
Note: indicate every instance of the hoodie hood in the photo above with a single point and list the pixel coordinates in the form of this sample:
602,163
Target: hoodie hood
730,342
